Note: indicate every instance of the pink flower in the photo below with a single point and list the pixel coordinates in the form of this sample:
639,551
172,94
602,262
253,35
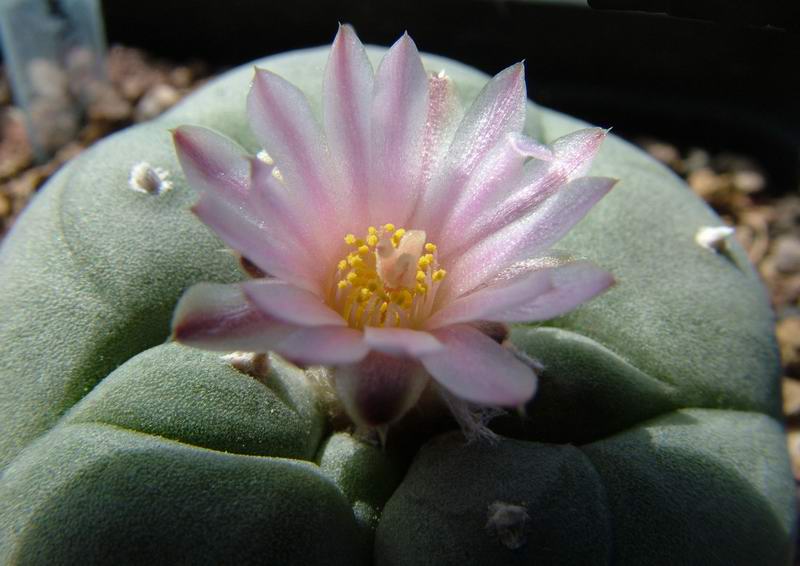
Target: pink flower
392,231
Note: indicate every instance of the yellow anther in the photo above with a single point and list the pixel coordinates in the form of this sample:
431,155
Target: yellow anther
372,287
398,235
404,298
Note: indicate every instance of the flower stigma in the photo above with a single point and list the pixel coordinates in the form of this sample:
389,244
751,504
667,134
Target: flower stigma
389,278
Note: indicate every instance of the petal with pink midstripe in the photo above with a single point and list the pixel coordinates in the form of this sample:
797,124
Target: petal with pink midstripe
401,341
239,230
346,99
498,110
399,112
529,295
571,156
219,317
323,345
212,162
288,303
496,175
477,369
526,237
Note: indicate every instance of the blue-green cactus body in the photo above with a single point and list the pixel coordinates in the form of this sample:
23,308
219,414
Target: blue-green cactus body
654,439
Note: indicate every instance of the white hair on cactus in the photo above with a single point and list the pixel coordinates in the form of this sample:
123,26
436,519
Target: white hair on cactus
145,178
714,238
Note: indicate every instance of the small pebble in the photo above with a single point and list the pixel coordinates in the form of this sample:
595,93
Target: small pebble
158,99
788,333
5,206
791,397
787,254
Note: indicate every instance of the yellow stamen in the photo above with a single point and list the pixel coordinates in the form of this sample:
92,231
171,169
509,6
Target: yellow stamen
388,278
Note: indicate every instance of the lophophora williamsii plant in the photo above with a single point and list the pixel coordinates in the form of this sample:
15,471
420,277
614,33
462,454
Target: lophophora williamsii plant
388,237
341,399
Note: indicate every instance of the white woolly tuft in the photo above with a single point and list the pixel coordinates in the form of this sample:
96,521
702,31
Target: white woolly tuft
473,419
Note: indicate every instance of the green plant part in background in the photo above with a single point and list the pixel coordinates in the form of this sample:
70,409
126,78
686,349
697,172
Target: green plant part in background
655,437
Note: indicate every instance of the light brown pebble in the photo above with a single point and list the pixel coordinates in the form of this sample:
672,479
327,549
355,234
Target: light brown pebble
181,77
705,182
791,397
793,443
158,99
15,149
5,206
788,333
787,254
748,181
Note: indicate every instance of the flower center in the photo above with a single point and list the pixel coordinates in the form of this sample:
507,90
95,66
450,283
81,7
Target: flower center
389,278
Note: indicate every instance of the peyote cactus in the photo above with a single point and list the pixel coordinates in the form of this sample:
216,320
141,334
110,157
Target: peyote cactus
654,436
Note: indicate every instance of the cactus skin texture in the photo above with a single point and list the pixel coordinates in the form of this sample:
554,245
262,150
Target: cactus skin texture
655,437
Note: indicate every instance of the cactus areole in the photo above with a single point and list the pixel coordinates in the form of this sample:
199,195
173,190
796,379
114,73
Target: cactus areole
357,307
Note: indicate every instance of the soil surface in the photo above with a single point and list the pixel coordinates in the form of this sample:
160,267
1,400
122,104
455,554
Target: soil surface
766,217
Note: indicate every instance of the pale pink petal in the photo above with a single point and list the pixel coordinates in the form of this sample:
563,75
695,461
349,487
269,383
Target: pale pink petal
399,112
281,119
401,341
525,237
527,293
572,156
219,317
347,96
498,110
239,230
532,148
290,304
491,182
477,369
323,345
444,115
212,162
284,217
574,152
379,389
